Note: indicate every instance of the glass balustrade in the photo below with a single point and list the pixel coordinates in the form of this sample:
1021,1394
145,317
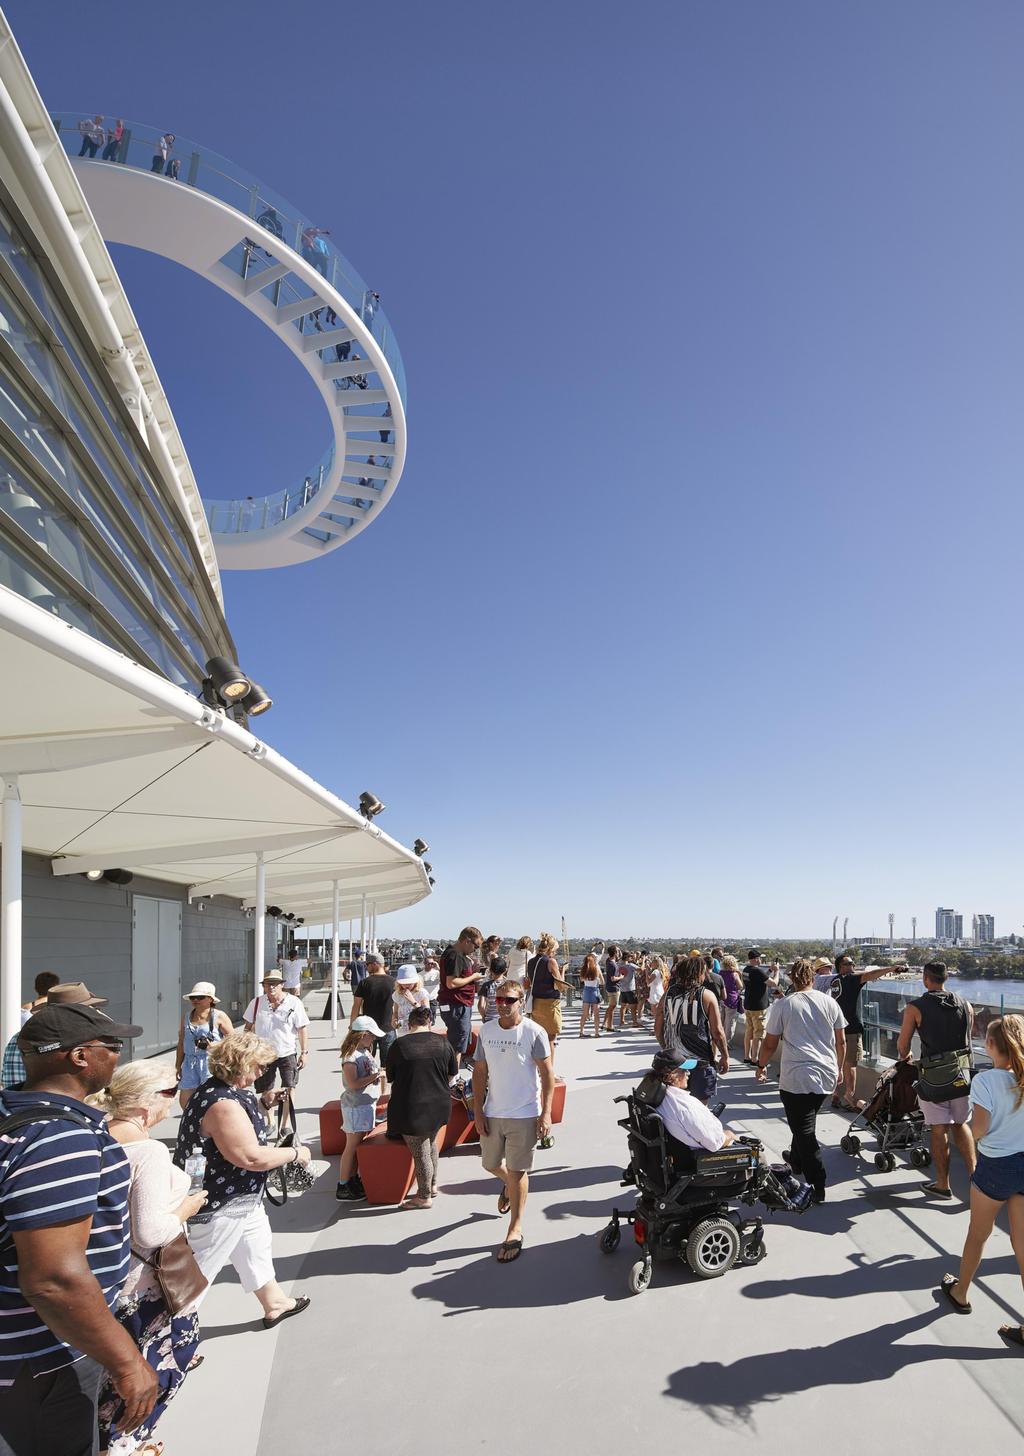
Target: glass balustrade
883,1004
188,163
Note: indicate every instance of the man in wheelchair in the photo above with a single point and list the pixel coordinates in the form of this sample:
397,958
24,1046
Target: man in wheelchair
687,1169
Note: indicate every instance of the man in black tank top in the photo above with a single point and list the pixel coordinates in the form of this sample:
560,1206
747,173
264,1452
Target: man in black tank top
943,1021
846,987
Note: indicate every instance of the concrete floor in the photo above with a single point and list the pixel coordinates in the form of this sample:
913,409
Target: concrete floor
418,1341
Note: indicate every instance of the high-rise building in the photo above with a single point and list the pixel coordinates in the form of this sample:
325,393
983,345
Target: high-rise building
948,925
986,931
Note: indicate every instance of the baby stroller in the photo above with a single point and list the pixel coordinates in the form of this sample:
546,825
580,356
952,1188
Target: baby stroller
684,1195
894,1116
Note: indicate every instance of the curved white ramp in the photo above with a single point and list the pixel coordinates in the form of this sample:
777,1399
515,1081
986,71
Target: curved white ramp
312,299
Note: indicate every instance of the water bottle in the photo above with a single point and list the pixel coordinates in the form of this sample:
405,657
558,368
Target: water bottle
195,1167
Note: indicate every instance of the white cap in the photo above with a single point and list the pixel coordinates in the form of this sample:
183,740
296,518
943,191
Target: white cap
366,1023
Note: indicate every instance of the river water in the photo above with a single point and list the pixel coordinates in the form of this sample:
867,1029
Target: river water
979,991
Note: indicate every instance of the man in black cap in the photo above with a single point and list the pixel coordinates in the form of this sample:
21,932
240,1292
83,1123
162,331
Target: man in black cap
64,1241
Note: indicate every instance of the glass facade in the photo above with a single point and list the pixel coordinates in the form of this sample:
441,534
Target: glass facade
85,530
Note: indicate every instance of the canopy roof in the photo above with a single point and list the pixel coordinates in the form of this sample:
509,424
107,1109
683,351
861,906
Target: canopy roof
120,769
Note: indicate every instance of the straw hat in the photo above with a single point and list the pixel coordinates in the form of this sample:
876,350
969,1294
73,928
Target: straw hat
203,988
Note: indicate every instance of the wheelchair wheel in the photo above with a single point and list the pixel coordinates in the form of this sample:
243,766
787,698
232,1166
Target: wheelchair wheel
850,1143
921,1158
713,1247
640,1276
608,1239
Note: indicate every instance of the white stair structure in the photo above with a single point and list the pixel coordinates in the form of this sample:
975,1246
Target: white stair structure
227,227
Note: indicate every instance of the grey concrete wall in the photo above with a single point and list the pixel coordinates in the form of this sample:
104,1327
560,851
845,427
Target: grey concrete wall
83,931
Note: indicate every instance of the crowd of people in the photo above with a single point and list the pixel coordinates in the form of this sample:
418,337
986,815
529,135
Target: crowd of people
112,1239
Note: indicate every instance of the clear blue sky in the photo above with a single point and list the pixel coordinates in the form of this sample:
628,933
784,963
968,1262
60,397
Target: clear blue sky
698,606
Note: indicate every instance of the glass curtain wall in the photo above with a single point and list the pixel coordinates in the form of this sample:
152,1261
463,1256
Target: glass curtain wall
85,531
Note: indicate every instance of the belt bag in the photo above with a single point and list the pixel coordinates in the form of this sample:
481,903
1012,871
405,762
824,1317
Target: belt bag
944,1076
180,1278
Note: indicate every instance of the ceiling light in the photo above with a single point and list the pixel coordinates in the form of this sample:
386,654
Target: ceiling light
94,874
430,880
227,679
274,911
118,877
427,866
370,806
420,847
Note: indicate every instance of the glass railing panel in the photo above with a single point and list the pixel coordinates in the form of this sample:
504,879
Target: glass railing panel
193,165
883,1005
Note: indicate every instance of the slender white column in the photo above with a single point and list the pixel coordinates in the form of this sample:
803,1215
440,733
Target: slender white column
350,942
10,914
373,926
334,961
362,927
261,920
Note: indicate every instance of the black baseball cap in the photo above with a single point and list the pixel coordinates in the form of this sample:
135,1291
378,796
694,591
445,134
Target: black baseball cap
669,1062
56,1028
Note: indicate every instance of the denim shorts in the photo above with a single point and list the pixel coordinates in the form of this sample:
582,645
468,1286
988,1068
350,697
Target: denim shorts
999,1178
358,1119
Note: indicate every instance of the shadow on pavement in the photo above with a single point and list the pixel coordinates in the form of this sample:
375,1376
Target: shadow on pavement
730,1394
544,1275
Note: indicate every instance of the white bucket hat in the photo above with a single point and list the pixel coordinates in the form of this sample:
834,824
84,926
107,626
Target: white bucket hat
203,988
407,975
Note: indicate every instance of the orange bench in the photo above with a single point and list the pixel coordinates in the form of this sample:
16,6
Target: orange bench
462,1129
332,1137
386,1167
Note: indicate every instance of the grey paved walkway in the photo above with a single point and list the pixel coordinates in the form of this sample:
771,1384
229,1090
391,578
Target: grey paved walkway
416,1337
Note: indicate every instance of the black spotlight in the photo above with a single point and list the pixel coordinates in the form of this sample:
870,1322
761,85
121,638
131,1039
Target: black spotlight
427,866
226,679
420,847
299,920
118,877
256,700
431,880
274,911
370,806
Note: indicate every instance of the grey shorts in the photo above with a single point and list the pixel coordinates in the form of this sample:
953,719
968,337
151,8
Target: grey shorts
511,1140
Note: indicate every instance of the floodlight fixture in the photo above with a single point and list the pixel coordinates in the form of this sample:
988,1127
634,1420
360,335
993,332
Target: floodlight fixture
370,806
227,679
420,847
94,874
257,700
274,911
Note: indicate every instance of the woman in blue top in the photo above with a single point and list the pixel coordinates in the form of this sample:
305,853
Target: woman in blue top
997,1107
202,1028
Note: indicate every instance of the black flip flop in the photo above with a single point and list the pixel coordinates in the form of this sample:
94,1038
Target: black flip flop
1012,1334
302,1303
516,1244
504,1203
947,1289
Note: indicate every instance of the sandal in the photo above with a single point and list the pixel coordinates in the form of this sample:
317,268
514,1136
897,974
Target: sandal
300,1304
504,1202
934,1191
948,1281
415,1201
512,1248
1012,1334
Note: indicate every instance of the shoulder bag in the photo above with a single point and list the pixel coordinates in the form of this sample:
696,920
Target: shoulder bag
180,1278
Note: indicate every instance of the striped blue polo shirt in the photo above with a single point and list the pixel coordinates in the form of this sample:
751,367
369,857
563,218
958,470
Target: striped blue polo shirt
56,1172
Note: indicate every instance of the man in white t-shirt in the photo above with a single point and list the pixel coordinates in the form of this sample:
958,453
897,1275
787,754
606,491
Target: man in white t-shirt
513,1084
281,1019
291,969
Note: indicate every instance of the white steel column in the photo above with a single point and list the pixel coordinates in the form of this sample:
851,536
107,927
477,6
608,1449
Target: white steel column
373,926
362,928
261,920
10,914
334,961
350,957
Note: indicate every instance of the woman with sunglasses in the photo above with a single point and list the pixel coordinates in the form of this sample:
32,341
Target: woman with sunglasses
141,1095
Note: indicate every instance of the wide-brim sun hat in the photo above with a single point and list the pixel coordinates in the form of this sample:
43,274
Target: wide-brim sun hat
203,988
406,975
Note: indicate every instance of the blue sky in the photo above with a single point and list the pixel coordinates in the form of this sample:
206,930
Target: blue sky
698,607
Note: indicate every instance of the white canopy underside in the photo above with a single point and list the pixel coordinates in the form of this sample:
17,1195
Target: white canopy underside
117,768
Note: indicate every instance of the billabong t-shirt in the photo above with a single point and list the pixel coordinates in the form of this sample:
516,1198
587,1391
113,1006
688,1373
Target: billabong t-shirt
512,1054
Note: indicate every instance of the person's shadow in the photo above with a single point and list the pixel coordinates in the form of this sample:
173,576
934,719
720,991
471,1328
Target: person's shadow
730,1394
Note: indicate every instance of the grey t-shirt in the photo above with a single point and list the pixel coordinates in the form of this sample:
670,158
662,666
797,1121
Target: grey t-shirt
806,1021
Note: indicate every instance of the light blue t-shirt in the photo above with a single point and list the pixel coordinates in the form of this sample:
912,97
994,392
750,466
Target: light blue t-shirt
996,1091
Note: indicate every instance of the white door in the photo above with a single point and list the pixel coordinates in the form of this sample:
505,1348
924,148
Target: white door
156,972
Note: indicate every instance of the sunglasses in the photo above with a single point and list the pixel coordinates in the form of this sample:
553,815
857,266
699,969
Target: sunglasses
508,1000
108,1046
